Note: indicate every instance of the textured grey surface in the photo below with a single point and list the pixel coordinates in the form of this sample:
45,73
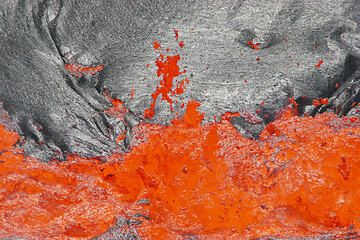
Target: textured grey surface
59,113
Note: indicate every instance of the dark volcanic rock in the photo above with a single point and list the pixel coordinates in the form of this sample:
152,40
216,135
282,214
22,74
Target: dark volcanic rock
64,114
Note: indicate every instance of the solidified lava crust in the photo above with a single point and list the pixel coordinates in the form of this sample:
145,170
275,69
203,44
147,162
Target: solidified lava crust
299,179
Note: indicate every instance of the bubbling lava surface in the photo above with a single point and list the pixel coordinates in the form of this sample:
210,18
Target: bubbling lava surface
299,179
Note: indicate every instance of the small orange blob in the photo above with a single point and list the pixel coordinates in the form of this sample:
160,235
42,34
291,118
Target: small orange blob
156,45
353,119
324,101
254,46
120,138
293,102
176,34
316,103
118,109
229,115
321,101
319,63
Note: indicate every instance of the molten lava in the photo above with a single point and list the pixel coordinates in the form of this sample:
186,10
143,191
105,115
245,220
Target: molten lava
205,180
168,69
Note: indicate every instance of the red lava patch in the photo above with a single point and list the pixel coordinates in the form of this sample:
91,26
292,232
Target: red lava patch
168,69
255,46
319,102
319,63
79,70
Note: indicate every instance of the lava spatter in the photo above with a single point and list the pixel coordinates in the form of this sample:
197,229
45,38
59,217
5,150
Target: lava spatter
156,45
320,101
176,34
319,63
255,46
168,69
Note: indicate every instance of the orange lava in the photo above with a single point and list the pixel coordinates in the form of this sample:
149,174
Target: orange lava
181,44
319,63
78,70
319,102
168,69
180,87
132,93
156,45
118,109
229,115
176,34
255,46
300,179
7,139
295,105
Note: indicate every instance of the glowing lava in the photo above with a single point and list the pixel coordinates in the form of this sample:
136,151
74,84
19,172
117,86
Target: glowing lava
205,180
79,70
168,69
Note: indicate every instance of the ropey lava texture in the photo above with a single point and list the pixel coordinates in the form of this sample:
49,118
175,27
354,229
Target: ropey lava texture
299,179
